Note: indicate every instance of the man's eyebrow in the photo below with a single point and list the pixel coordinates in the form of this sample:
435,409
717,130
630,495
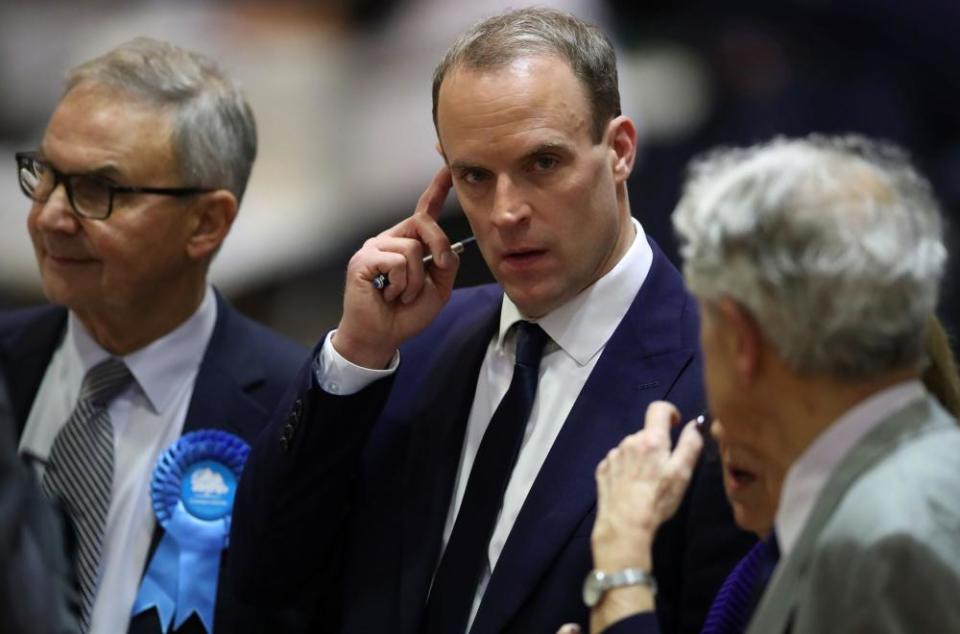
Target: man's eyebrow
547,148
108,171
462,166
541,149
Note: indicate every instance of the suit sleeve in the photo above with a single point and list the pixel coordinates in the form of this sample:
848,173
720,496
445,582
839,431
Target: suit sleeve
644,623
298,491
37,593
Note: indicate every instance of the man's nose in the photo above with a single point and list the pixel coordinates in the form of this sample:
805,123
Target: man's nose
509,204
57,214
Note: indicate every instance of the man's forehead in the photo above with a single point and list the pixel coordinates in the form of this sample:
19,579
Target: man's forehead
521,68
533,100
103,124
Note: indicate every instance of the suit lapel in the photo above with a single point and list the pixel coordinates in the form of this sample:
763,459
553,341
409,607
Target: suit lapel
225,378
220,397
639,364
778,602
26,355
434,454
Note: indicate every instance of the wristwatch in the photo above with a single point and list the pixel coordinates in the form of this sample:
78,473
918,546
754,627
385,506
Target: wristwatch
598,582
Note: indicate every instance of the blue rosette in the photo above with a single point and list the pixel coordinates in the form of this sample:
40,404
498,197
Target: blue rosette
192,492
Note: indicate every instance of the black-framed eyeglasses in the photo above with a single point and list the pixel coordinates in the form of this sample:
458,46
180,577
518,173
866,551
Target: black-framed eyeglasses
90,196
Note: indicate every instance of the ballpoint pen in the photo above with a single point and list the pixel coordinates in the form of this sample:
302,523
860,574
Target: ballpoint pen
381,281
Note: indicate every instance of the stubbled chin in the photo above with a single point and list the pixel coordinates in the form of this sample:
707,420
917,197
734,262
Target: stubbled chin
531,303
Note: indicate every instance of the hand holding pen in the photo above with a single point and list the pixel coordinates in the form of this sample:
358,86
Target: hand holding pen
376,321
381,281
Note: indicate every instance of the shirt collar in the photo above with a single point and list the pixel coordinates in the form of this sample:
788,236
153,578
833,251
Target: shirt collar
809,474
583,325
162,367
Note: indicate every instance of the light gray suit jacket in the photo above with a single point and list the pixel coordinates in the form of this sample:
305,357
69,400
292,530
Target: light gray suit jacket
881,548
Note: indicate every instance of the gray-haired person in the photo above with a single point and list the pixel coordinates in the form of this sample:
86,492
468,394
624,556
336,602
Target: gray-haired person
133,190
816,263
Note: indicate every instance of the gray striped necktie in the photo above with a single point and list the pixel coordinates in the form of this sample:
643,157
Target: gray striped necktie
80,470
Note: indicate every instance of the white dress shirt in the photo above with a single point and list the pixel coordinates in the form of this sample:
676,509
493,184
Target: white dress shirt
147,418
807,476
578,331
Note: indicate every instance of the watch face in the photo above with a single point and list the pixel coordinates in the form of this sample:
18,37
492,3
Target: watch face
592,590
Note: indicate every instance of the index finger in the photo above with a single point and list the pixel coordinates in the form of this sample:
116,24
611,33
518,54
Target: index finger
688,449
432,199
428,211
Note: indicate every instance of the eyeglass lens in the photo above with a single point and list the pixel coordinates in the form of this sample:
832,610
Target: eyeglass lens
90,196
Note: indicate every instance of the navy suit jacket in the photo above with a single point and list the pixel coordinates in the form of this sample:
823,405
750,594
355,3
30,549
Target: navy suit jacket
345,497
244,371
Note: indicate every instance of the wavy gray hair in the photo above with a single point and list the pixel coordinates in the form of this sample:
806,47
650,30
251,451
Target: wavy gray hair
214,132
833,244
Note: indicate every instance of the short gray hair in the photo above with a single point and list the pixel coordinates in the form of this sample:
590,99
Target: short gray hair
833,244
214,132
495,42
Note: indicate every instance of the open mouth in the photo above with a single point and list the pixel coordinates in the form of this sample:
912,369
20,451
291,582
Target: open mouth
522,258
741,477
525,254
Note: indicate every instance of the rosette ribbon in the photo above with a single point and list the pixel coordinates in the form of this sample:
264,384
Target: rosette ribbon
192,493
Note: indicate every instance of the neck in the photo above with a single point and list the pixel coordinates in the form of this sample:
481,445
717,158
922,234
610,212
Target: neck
121,331
627,232
807,406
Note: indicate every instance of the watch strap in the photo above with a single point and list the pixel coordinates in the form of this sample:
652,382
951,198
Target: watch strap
629,577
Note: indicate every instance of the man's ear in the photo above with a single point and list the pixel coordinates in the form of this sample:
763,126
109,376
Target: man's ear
622,138
213,215
747,340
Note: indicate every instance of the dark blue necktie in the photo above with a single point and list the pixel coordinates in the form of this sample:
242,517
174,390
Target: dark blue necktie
740,593
462,564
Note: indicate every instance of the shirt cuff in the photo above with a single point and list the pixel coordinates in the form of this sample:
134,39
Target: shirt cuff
336,375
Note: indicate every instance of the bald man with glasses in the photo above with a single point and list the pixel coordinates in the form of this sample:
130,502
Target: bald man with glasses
133,190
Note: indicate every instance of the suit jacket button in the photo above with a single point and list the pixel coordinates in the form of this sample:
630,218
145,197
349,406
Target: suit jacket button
288,430
284,444
297,409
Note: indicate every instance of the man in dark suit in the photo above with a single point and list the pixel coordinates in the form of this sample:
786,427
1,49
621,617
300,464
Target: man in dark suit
447,487
135,186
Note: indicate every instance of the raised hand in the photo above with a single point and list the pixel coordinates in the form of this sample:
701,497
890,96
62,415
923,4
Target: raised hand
639,486
374,323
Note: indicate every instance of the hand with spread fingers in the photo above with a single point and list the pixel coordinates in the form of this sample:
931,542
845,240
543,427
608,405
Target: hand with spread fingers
374,322
639,486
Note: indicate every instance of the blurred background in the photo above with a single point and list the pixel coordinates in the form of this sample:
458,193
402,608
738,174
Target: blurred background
341,91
